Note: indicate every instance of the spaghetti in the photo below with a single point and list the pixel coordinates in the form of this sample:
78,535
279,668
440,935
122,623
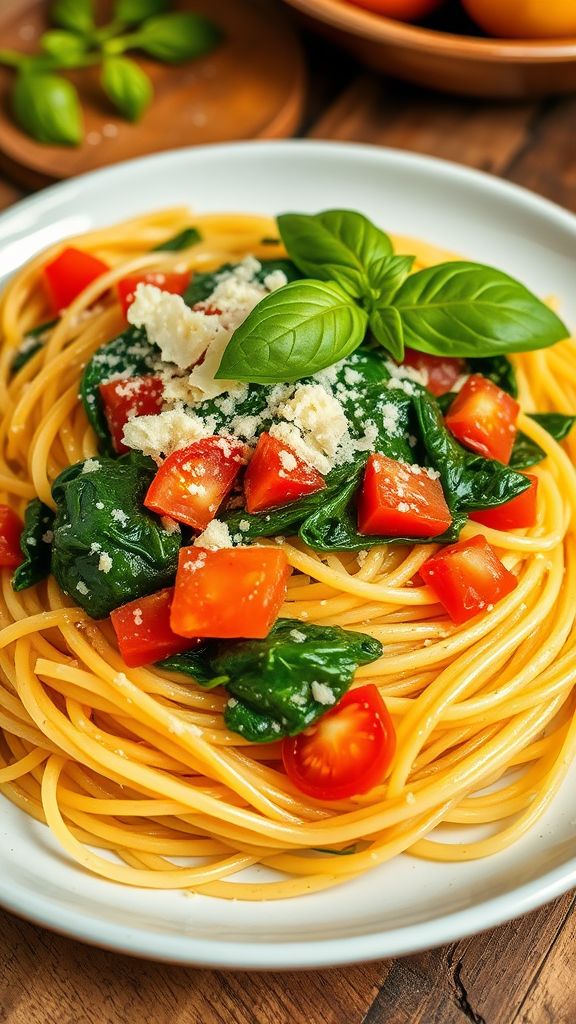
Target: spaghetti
137,764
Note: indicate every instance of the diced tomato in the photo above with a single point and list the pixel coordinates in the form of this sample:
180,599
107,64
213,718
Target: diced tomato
441,372
468,578
520,512
483,417
143,630
398,500
193,482
347,751
69,274
11,527
232,592
276,476
130,396
171,282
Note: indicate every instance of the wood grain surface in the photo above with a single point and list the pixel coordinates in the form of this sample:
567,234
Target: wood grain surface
520,973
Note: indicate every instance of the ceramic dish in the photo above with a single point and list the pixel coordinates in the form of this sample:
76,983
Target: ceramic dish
407,904
442,60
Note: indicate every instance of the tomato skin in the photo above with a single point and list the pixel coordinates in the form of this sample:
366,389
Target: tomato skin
399,10
229,593
143,630
513,515
171,282
524,19
130,396
69,274
346,752
193,482
277,476
387,487
467,577
483,417
442,371
11,527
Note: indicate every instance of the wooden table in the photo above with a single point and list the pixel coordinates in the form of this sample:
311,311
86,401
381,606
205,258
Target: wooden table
521,973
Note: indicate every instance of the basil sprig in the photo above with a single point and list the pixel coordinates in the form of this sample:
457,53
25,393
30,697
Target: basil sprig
355,280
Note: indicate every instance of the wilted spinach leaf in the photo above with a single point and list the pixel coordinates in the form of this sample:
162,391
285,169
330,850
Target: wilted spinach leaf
128,355
183,240
107,548
36,543
32,343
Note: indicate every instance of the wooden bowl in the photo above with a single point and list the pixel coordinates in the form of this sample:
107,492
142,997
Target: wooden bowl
467,65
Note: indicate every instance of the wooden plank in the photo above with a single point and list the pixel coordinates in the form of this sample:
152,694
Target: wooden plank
482,134
9,193
48,979
547,161
481,980
552,996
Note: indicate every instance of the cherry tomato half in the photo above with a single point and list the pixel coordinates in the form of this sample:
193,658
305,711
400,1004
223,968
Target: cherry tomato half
346,752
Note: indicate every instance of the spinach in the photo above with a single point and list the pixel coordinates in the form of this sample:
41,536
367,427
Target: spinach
467,309
183,240
128,355
203,283
195,664
296,330
527,452
35,542
271,681
32,343
498,369
107,548
337,245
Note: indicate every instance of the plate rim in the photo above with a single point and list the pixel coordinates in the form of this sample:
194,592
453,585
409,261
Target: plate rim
181,948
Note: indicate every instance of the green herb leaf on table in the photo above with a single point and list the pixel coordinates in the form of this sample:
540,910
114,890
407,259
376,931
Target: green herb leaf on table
177,37
68,47
36,545
386,326
132,12
76,15
466,309
183,240
336,245
127,86
297,330
47,107
108,549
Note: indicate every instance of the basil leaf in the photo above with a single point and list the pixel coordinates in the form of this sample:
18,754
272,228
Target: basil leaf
466,309
271,681
101,512
131,12
336,245
76,15
174,38
128,355
47,107
296,330
183,240
386,276
557,424
127,86
386,326
35,543
68,47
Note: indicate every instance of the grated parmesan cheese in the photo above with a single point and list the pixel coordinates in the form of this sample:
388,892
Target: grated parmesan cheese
164,433
182,334
215,536
322,694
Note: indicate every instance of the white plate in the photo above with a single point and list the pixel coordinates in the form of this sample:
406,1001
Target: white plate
409,904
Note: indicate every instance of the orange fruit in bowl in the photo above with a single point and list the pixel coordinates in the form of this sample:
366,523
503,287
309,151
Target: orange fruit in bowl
524,19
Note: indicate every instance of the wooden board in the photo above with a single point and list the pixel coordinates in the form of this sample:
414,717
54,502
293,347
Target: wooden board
251,86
